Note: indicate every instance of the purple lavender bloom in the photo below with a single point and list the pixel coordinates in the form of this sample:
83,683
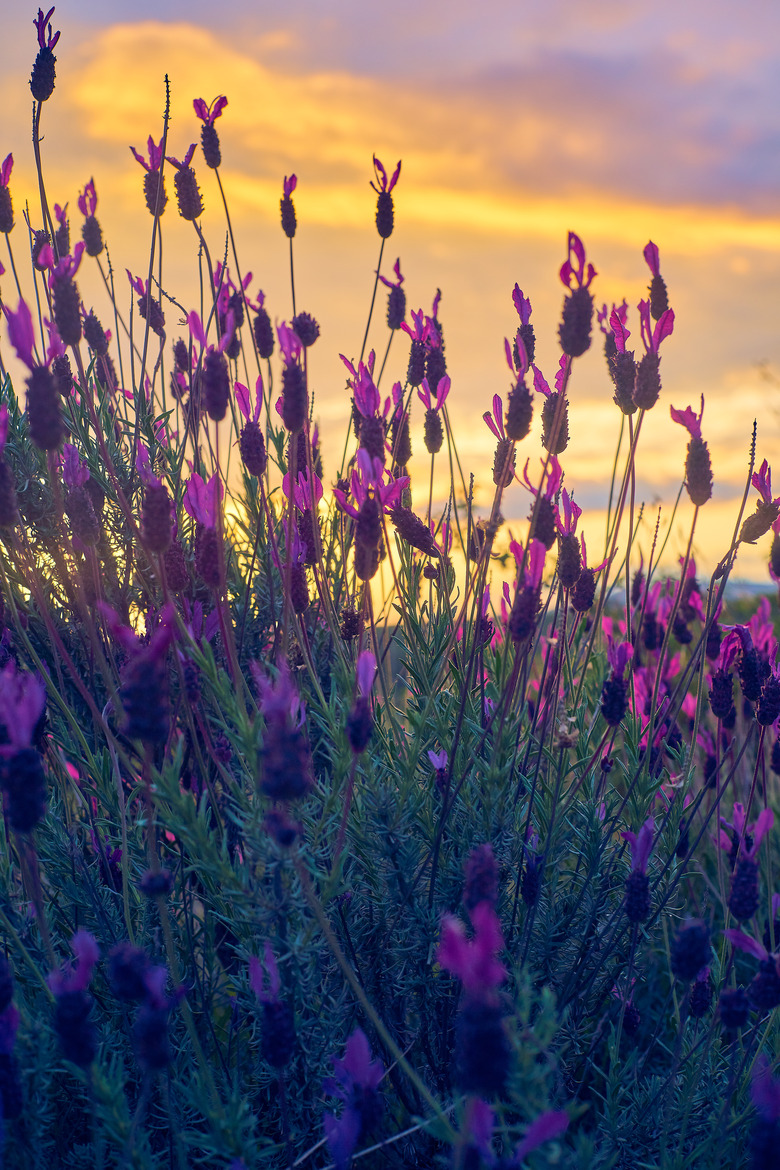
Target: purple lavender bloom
355,1082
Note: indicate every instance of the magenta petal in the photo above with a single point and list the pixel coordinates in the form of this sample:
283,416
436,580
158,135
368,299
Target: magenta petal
650,254
549,1125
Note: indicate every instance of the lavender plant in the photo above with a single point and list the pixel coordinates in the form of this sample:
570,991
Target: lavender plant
469,871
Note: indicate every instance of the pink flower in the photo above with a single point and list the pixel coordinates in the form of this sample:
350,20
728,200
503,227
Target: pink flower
650,254
370,477
209,114
20,332
758,830
399,279
381,177
641,844
87,199
664,327
243,400
289,185
185,162
442,390
689,419
571,514
70,978
574,266
40,22
202,500
522,304
155,155
473,961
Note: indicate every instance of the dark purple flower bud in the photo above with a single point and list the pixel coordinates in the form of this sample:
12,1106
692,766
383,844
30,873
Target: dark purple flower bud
522,618
520,413
149,308
95,335
690,950
154,190
433,432
144,695
294,397
40,240
569,560
614,701
208,556
7,211
544,527
659,298
62,237
80,510
306,328
151,1042
722,693
62,374
698,472
156,518
637,898
215,384
648,381
176,573
622,368
369,547
743,899
289,221
768,708
371,433
384,214
74,1027
277,1042
251,444
584,592
92,236
764,988
128,967
415,371
351,624
701,997
156,883
299,588
401,438
574,330
504,462
11,1093
24,785
481,878
555,430
482,1052
264,333
9,513
413,530
435,365
528,338
734,1008
209,140
65,307
188,194
43,74
396,306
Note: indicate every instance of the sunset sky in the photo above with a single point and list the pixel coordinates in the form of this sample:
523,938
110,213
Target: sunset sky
516,122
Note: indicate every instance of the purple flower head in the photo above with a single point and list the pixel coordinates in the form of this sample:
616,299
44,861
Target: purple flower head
160,640
473,961
243,402
522,304
664,327
604,317
70,978
641,845
5,170
618,656
144,468
757,831
278,697
743,942
398,278
574,266
442,390
762,482
381,177
495,421
420,330
650,254
45,41
617,324
87,199
209,114
20,332
61,214
22,700
571,515
155,152
370,478
68,266
364,391
689,419
202,500
365,672
553,477
765,1090
185,162
74,472
439,760
289,342
257,976
355,1082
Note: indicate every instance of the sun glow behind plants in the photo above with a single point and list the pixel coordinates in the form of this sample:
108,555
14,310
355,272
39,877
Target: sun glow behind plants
379,773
